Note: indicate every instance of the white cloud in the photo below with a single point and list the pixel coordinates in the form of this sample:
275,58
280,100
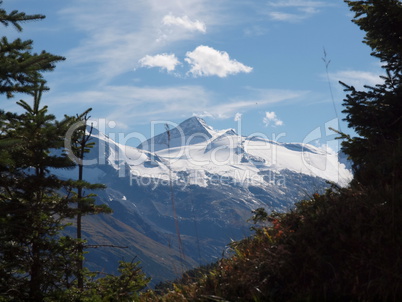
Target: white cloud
185,22
163,61
298,3
255,30
203,114
356,78
237,117
295,10
271,119
280,16
106,41
206,61
130,105
256,98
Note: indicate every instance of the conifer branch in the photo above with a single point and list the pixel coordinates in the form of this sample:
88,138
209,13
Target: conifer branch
16,17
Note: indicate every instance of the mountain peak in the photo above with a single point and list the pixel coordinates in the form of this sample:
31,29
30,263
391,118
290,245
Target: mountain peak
191,131
194,118
195,125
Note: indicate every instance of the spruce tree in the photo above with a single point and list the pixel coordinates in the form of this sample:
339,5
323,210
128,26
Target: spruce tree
20,69
376,112
78,144
36,261
33,259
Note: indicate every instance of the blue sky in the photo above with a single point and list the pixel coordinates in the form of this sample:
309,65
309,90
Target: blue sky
259,62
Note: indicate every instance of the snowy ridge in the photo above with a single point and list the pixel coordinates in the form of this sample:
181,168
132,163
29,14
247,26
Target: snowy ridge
192,131
196,151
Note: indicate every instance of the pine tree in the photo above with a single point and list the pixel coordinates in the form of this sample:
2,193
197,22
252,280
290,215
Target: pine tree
33,257
20,69
376,112
78,145
36,261
16,17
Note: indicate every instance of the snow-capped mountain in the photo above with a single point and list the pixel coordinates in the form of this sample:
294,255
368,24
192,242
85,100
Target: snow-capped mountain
195,148
206,182
192,131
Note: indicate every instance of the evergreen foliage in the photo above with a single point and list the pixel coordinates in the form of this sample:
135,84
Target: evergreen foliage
38,263
20,69
382,22
80,145
124,287
16,17
376,113
35,260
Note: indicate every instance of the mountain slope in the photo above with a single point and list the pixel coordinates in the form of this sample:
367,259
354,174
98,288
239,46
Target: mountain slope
192,131
207,183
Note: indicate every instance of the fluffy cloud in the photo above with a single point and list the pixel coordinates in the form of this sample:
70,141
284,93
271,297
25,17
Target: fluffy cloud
271,119
206,61
185,22
107,46
163,61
